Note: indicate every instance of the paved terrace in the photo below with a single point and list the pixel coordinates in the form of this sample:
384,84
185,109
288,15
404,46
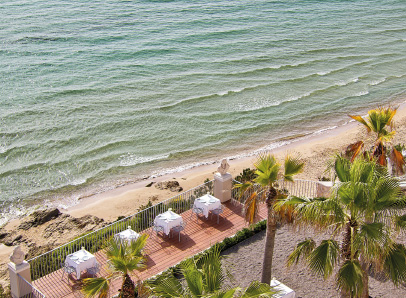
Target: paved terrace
162,252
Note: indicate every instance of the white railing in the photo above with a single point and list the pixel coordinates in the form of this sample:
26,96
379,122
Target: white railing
300,188
51,261
27,290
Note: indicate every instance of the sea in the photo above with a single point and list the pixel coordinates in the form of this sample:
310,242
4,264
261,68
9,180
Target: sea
99,94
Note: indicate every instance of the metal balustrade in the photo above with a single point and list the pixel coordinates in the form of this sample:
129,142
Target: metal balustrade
27,290
51,261
299,187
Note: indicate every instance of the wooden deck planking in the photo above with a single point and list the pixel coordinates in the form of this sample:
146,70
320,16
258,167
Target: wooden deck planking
162,252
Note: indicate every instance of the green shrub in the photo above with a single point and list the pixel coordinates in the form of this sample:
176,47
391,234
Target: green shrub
246,175
5,293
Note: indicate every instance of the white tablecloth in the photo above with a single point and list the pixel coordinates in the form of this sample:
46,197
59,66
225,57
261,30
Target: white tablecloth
81,260
283,291
127,235
207,203
168,220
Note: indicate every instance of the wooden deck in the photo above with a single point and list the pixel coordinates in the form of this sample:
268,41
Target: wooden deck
162,252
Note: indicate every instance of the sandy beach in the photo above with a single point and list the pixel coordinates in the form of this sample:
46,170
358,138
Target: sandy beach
315,150
124,201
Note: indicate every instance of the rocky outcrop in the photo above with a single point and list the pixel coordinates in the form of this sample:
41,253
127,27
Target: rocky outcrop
13,238
38,218
171,185
38,250
68,223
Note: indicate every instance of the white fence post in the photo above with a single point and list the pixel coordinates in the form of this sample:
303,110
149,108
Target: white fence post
18,266
223,182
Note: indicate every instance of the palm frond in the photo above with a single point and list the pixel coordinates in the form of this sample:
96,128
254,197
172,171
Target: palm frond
324,257
354,149
223,294
301,252
267,169
398,160
257,289
342,168
194,281
395,264
251,208
138,245
93,287
349,278
361,120
293,166
213,274
165,285
400,222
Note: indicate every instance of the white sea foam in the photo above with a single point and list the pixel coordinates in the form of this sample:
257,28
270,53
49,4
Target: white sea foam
130,159
377,82
361,93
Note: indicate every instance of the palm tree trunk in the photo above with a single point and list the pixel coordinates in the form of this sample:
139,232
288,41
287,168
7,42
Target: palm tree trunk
127,288
365,271
269,246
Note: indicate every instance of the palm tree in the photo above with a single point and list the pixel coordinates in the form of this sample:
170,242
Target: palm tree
123,258
268,174
380,122
204,278
364,209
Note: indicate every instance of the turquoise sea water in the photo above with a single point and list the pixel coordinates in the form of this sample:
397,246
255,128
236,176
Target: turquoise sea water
98,94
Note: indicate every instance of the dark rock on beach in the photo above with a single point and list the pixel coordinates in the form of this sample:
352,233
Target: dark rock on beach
171,185
38,250
13,239
3,235
38,218
68,223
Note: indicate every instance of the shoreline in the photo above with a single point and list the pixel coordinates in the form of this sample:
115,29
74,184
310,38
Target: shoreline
125,199
138,194
315,149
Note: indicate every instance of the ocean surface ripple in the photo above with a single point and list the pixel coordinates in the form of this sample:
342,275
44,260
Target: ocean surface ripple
99,94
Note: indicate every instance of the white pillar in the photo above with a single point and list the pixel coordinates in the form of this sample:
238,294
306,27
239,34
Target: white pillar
222,186
324,188
223,182
19,287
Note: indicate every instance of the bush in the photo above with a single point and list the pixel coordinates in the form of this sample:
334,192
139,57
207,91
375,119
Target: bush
5,293
246,175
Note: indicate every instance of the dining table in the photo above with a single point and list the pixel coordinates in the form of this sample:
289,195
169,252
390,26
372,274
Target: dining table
81,260
168,220
127,235
207,203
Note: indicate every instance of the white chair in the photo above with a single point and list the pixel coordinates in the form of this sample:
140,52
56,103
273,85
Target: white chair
179,229
92,271
217,211
157,229
67,269
197,211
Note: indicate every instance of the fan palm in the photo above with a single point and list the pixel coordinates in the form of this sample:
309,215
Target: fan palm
364,209
268,172
123,258
380,122
204,278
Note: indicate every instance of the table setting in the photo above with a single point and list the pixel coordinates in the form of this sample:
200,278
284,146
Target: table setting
81,261
168,220
127,235
207,203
